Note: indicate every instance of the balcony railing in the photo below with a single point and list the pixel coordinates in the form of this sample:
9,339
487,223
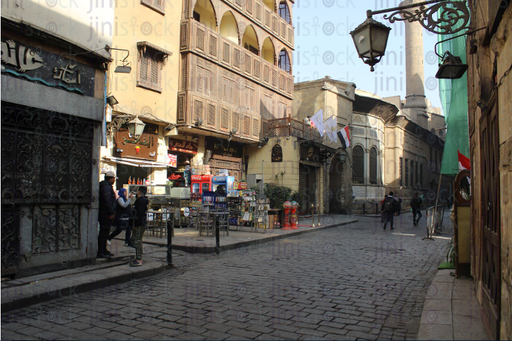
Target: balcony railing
197,38
284,127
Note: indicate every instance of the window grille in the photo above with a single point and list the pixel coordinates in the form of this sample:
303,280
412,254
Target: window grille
224,119
358,165
150,70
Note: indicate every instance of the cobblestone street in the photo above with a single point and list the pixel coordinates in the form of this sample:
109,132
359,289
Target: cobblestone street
351,282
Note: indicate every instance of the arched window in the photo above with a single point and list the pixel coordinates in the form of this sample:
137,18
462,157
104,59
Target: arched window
373,166
284,12
358,165
205,14
229,27
284,61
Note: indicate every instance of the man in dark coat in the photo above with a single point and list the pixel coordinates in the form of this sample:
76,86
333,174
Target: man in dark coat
389,208
106,214
416,209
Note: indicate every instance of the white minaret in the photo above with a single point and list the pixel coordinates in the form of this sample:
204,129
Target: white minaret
415,104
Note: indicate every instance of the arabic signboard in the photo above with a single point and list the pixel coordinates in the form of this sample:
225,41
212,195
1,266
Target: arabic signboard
173,160
36,65
239,185
183,146
144,147
224,147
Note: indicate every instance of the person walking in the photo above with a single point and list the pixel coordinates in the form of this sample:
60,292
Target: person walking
399,204
389,208
123,219
106,214
140,208
416,209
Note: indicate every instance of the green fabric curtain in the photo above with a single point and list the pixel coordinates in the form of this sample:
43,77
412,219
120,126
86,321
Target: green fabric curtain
454,99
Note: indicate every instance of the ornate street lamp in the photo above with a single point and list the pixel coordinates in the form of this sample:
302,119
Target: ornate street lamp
370,38
136,127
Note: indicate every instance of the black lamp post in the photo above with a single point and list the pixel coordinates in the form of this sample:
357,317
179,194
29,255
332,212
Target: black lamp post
442,17
370,39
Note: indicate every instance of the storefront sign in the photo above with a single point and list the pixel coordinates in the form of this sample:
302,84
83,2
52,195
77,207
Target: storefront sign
224,147
239,185
173,160
183,146
50,69
144,147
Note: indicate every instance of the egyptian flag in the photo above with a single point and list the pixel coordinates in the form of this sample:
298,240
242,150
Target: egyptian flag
463,162
344,137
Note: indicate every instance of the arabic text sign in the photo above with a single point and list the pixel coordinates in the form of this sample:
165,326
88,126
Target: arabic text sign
173,160
37,65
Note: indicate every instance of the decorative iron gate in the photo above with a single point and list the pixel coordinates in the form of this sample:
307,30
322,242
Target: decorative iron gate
46,160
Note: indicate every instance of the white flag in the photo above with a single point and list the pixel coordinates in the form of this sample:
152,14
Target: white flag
330,126
318,121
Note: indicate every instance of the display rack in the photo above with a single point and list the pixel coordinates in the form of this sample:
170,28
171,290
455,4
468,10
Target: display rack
261,219
248,206
235,209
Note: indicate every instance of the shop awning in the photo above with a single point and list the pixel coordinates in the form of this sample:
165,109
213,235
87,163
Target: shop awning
135,162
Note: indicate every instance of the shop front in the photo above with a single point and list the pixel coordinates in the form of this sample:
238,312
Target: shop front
224,156
136,157
309,168
181,154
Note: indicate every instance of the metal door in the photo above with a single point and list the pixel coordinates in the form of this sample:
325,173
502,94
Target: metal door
490,206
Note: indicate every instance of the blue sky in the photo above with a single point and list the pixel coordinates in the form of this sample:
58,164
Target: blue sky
323,46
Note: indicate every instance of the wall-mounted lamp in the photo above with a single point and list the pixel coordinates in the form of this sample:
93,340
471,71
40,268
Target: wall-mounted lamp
265,139
170,127
136,127
119,150
260,145
452,67
370,38
198,122
125,68
111,100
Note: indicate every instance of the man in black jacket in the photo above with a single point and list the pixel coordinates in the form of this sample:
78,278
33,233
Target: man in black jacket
389,208
106,214
416,209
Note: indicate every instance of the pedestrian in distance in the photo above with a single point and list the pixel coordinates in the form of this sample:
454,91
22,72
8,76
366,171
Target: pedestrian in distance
399,204
106,214
389,208
416,209
140,208
123,219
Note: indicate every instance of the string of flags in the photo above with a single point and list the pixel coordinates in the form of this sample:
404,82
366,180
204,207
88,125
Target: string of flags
329,127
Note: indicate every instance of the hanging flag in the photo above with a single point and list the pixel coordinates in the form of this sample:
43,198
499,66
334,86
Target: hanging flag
344,137
318,121
330,126
463,162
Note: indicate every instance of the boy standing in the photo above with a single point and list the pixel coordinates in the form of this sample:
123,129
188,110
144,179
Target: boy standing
140,207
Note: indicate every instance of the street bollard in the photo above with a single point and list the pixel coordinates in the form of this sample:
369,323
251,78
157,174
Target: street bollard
318,214
170,232
217,235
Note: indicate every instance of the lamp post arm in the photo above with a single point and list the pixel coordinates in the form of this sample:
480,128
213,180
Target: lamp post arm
443,17
369,13
108,48
460,35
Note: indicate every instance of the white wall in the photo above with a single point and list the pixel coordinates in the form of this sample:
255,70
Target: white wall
88,24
